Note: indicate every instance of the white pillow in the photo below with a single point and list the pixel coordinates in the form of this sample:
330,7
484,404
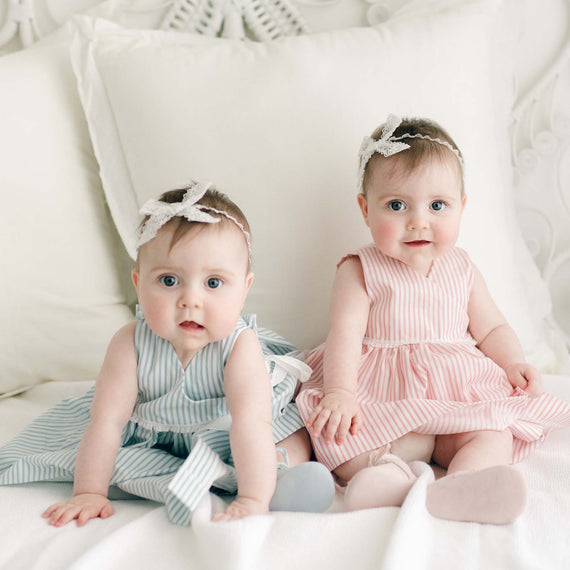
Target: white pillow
60,296
278,126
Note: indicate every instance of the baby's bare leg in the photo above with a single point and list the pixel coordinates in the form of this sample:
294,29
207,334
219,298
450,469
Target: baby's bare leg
346,471
298,447
414,447
473,450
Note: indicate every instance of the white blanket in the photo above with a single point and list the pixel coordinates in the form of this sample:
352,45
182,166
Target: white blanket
139,534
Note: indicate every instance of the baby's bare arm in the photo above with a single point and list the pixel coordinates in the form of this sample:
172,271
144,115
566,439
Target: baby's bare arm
497,340
248,391
338,412
113,402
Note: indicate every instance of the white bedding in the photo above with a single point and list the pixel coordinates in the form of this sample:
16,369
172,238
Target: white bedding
139,534
67,317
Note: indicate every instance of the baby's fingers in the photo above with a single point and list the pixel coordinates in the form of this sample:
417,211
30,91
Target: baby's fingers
91,512
318,423
229,515
107,511
240,508
343,428
52,509
518,380
311,420
534,387
330,432
64,514
356,424
221,517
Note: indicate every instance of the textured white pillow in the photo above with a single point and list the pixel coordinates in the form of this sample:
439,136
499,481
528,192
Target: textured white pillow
60,296
278,125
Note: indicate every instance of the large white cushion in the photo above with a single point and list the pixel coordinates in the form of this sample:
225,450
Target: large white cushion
278,125
61,296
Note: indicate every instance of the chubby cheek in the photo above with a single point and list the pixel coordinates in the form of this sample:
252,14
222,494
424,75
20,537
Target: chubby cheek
156,311
447,235
223,314
228,315
385,234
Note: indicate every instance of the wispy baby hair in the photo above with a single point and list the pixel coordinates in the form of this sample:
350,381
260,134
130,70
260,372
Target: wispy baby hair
413,140
196,204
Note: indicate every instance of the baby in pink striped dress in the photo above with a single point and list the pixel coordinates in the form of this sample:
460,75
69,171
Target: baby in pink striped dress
419,362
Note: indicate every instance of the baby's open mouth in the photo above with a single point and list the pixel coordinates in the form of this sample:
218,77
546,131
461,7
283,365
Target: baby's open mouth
190,325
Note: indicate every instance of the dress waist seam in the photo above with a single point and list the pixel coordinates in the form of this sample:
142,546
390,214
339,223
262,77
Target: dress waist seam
378,343
191,429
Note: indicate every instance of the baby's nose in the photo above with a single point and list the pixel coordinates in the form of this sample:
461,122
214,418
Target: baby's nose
190,297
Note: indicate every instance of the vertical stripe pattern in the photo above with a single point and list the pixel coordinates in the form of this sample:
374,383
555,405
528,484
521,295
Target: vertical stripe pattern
420,370
176,445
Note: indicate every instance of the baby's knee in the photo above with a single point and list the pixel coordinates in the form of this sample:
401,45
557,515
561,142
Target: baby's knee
504,438
414,447
499,443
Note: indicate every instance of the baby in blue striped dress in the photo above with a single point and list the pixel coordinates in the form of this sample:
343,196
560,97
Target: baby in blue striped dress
191,395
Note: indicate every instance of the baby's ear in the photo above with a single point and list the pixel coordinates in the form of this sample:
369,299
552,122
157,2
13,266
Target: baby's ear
135,277
249,280
363,203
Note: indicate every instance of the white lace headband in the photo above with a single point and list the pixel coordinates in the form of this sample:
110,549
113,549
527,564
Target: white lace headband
387,145
160,213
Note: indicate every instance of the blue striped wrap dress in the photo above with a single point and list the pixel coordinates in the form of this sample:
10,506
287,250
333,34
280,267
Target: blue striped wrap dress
176,445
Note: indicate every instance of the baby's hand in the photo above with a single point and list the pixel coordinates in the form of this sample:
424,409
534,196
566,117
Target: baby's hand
81,507
336,415
240,508
526,377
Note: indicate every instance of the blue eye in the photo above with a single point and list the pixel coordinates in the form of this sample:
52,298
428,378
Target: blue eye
214,282
438,205
396,205
169,280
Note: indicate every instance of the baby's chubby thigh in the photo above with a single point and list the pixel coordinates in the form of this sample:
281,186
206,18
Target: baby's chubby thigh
414,446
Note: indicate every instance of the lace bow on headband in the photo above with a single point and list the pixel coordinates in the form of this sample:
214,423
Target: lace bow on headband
387,145
160,213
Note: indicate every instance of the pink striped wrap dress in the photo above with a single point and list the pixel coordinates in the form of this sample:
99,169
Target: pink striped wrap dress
420,369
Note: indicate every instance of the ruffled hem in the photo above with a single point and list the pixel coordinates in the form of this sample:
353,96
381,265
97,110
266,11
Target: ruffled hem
529,419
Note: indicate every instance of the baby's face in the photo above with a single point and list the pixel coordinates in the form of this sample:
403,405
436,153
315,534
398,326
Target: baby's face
193,294
415,217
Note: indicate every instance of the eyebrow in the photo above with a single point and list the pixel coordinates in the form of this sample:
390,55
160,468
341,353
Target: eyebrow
175,269
215,271
406,196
